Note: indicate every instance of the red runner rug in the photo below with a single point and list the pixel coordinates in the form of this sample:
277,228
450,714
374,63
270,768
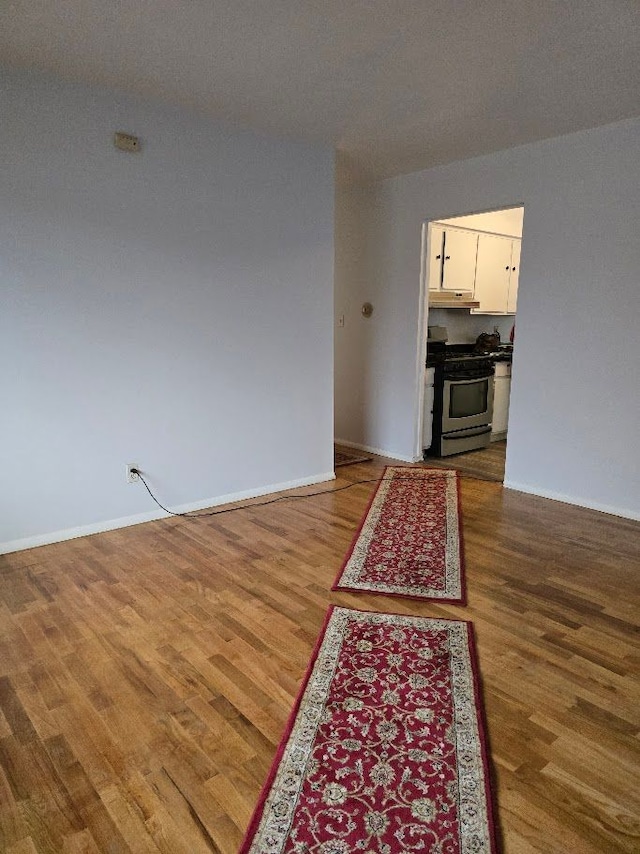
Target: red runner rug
384,751
409,541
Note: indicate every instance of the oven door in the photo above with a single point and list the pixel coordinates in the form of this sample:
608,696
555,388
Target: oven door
467,403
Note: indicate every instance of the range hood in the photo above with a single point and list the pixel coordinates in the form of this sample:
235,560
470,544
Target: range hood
452,299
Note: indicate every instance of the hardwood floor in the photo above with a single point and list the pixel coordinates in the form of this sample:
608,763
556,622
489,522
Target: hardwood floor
485,463
146,674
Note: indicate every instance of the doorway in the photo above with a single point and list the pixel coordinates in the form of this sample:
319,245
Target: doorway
469,287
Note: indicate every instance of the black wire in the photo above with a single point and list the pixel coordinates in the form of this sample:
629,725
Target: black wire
285,497
259,503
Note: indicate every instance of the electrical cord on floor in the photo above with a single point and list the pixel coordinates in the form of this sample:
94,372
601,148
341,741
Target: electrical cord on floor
199,515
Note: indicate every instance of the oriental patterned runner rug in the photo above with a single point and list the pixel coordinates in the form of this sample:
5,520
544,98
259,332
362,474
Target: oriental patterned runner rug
384,751
409,542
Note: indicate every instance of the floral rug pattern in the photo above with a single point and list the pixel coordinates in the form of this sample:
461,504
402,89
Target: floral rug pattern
409,542
385,752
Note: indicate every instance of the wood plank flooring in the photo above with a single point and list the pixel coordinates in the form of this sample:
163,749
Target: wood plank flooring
146,674
486,463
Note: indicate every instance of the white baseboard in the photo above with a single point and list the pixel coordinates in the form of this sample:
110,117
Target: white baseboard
623,512
392,455
127,521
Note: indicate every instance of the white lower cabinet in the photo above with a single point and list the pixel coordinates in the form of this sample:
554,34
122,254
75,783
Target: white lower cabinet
427,412
501,395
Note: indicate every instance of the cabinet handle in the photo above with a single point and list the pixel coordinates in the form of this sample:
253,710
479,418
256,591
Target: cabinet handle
507,267
513,268
438,257
447,257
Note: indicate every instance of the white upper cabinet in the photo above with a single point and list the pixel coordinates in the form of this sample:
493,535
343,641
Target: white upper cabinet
514,275
480,263
452,259
492,273
459,263
436,254
497,269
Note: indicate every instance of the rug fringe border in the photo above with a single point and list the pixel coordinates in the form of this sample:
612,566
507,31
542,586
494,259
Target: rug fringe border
489,780
461,600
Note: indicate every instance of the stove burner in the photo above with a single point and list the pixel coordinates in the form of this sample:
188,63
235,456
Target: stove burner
439,353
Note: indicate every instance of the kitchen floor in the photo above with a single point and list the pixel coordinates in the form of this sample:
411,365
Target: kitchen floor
485,464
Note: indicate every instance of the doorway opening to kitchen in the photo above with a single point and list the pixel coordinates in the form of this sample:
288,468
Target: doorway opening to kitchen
468,304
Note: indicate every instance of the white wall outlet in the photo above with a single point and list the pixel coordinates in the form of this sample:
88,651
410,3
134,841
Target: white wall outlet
132,476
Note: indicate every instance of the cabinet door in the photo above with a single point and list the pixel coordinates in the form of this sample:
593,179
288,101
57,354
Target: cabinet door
492,274
514,274
427,412
501,395
434,258
460,250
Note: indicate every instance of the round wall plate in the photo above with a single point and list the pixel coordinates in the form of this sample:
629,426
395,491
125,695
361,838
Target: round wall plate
367,309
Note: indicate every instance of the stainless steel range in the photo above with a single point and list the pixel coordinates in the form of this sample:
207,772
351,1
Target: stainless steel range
463,399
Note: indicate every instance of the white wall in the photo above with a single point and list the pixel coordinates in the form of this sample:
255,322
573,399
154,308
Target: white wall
464,327
507,221
575,405
171,308
353,387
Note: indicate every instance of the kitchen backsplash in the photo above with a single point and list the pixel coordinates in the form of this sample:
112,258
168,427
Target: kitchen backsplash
464,328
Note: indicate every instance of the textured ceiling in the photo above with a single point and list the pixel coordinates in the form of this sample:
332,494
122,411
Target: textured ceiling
395,86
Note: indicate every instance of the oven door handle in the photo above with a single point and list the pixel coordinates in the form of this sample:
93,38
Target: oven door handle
468,434
462,379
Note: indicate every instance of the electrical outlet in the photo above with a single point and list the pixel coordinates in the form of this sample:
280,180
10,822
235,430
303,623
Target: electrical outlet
132,476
